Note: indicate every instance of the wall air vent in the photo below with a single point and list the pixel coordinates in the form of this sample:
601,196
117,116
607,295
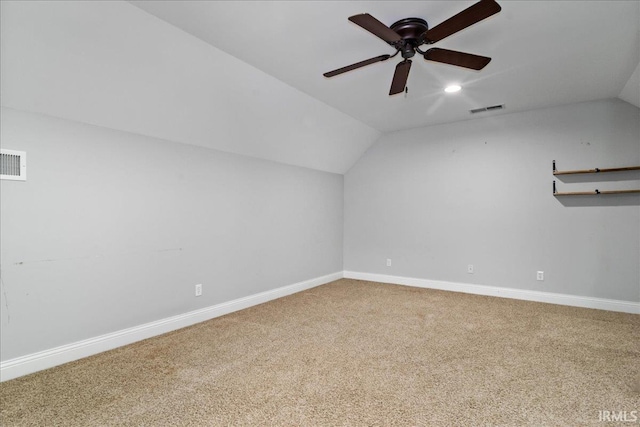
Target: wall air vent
483,109
13,165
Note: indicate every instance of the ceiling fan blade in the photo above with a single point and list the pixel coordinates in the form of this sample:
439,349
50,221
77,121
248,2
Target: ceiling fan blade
357,65
375,27
479,11
453,57
400,77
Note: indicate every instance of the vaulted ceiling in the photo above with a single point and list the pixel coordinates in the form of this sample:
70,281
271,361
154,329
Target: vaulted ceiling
247,77
543,53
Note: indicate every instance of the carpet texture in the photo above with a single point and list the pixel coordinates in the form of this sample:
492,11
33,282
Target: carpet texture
354,353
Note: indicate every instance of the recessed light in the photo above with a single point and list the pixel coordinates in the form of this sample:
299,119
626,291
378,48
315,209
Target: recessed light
452,88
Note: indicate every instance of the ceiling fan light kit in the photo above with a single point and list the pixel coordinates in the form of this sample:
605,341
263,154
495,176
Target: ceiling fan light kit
407,35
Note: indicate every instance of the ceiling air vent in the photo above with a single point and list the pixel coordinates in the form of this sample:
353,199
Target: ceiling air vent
13,165
492,108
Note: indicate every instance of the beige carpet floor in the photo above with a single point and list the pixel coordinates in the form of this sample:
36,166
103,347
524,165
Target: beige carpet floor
358,354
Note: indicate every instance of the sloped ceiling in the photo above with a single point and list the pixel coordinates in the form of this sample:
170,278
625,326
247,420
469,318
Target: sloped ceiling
246,77
631,91
111,64
544,53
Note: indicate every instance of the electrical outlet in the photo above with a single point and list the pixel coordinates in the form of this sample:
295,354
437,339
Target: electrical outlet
388,262
540,275
470,268
198,290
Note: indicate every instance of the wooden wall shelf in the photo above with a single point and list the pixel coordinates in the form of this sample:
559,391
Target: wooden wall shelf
596,191
596,170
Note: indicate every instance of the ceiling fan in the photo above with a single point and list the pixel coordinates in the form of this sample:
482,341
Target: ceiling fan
407,35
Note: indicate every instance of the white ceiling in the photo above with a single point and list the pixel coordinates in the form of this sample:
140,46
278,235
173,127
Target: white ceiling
544,53
110,64
246,77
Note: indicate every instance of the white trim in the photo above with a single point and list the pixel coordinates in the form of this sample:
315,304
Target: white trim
34,362
522,294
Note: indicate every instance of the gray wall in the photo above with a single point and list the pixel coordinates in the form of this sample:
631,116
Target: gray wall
480,192
113,230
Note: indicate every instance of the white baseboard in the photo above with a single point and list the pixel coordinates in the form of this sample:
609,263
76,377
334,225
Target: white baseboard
548,297
34,362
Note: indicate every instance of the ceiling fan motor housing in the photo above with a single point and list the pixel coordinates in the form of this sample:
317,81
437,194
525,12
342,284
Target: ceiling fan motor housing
411,31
